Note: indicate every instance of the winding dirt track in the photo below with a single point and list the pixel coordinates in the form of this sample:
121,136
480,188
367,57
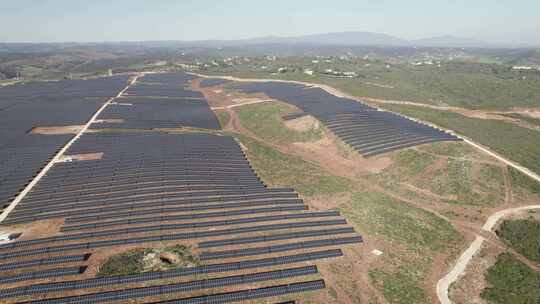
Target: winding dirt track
444,284
459,268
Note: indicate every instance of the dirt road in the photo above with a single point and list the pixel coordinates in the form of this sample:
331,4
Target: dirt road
241,104
459,268
444,284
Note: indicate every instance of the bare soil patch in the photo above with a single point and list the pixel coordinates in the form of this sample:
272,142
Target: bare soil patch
74,129
85,156
109,121
326,154
302,124
531,112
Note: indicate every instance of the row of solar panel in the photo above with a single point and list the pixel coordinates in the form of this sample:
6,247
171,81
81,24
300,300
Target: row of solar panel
140,292
122,169
109,212
158,185
276,237
168,199
162,168
42,274
162,184
167,274
178,197
113,210
155,210
137,190
45,261
141,176
251,294
121,183
233,158
185,178
178,160
168,237
165,218
162,227
157,228
278,248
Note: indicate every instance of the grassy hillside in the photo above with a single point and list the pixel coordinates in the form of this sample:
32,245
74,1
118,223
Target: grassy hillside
264,119
451,179
465,84
514,142
279,169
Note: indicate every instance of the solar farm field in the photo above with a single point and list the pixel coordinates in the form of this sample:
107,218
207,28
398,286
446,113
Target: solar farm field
157,102
154,184
364,128
25,107
293,195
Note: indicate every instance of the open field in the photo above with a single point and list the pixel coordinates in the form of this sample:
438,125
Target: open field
265,120
514,142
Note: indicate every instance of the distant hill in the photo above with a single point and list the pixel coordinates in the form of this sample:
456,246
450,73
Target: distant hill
330,40
343,38
361,38
450,41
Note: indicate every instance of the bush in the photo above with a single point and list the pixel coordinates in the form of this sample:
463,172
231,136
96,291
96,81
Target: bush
523,236
511,282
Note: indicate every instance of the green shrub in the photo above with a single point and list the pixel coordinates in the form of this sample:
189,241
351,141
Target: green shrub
511,282
523,235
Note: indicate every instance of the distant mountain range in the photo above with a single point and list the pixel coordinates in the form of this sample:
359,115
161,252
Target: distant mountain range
360,38
326,39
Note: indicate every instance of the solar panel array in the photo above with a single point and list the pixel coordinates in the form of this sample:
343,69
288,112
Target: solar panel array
251,294
158,189
366,129
159,102
211,82
43,104
182,287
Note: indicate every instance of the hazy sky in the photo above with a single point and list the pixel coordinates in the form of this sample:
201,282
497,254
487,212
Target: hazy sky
114,20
